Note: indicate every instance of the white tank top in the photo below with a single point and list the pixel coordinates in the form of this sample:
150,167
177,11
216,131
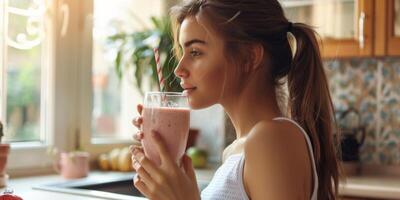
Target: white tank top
227,183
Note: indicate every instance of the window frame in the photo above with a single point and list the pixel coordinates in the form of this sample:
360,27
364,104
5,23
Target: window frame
95,146
68,92
29,155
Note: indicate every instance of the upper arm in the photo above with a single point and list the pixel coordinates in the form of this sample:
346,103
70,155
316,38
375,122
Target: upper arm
277,163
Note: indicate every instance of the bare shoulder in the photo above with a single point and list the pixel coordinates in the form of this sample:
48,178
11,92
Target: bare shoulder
272,132
277,160
279,142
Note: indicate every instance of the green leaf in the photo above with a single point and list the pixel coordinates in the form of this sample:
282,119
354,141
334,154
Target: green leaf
138,47
118,64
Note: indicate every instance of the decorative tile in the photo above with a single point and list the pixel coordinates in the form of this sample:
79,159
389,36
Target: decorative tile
372,86
353,84
389,101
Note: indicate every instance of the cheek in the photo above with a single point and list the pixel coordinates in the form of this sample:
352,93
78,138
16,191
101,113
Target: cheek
211,84
215,80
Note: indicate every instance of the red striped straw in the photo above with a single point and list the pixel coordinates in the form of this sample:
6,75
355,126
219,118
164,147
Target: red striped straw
159,70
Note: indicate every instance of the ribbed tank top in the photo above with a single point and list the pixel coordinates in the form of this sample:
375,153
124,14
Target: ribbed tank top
227,183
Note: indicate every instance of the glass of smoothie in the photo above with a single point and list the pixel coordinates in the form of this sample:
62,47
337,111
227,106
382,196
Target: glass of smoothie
167,113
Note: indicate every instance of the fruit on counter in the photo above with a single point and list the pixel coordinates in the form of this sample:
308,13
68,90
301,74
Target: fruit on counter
199,157
124,160
114,154
116,160
104,162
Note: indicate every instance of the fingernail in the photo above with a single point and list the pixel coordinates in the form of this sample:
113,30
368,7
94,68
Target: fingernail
137,178
135,150
139,156
136,165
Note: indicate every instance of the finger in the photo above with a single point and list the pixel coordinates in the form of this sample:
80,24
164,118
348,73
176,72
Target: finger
133,147
188,167
147,165
141,186
138,135
139,108
161,148
144,176
137,121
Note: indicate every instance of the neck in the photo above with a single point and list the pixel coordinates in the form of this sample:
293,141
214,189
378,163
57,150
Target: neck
254,103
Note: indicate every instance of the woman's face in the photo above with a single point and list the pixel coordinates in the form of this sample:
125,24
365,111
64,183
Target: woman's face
202,68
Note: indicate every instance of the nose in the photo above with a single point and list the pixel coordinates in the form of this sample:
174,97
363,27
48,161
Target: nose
180,71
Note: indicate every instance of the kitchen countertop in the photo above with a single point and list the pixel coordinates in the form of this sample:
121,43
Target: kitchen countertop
23,186
378,187
371,186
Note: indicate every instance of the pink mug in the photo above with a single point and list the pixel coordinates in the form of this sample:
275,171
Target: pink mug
73,165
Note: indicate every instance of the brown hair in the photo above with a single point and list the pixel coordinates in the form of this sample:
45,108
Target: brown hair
241,22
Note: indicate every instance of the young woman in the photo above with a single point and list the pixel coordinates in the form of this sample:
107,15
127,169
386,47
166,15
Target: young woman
242,54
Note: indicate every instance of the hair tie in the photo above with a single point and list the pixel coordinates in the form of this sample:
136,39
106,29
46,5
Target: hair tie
292,43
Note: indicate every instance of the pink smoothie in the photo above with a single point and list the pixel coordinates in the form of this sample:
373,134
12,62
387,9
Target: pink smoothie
173,126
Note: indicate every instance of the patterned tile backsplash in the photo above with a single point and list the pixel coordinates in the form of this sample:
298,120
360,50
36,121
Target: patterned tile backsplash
372,86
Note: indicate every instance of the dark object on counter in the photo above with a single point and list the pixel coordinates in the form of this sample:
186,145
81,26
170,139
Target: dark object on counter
1,131
8,195
192,138
353,134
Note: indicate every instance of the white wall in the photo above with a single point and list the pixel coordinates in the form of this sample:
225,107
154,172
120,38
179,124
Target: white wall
211,123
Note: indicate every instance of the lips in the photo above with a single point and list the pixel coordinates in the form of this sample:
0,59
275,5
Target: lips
187,88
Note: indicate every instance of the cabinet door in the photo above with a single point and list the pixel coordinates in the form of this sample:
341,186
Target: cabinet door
387,27
345,26
393,33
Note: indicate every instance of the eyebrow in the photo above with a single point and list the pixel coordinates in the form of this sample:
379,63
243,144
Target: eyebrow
190,42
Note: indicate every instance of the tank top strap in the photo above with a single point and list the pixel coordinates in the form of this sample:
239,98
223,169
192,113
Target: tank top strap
310,149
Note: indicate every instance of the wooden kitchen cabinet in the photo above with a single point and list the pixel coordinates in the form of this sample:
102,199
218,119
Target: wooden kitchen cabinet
345,26
387,23
351,28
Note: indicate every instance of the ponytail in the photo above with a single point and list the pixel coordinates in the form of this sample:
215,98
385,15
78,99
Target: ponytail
310,105
309,102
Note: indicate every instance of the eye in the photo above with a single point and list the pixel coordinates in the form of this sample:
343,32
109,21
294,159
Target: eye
195,53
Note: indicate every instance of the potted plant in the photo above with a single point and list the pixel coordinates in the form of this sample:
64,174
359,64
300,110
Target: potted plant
135,54
4,150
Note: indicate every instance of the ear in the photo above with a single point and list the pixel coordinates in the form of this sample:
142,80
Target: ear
257,56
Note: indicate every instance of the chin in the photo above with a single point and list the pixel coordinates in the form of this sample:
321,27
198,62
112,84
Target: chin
197,104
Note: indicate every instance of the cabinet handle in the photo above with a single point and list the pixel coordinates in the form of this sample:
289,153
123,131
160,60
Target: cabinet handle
361,36
64,9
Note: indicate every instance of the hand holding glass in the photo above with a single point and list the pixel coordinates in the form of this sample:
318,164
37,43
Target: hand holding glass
168,114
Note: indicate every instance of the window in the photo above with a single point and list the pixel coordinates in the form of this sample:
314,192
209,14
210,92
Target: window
24,79
23,58
57,81
114,101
